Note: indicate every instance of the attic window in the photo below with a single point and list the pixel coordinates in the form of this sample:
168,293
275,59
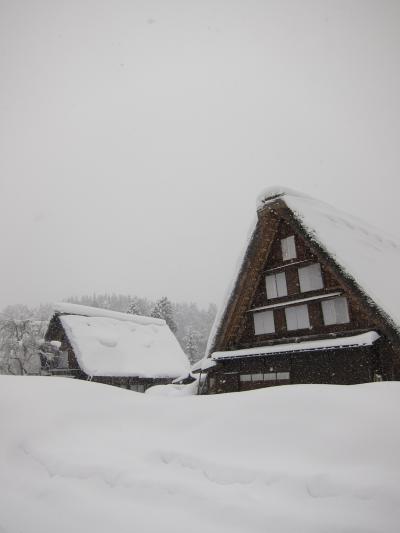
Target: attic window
310,278
264,323
276,285
297,317
335,311
288,248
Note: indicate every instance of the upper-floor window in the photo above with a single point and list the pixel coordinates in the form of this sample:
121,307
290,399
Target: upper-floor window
310,278
276,285
335,311
264,322
288,248
297,317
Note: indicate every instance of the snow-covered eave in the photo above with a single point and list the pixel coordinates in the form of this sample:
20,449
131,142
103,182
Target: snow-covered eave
289,303
329,343
203,365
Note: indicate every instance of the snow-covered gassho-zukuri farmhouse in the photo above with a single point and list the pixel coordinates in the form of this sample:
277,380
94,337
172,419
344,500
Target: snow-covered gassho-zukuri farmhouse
121,349
315,300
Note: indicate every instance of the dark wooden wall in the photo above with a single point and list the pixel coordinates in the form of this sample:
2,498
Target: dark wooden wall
341,367
359,321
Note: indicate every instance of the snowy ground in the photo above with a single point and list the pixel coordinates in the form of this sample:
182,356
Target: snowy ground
84,457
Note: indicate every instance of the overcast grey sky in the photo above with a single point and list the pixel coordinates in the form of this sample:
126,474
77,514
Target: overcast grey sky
135,136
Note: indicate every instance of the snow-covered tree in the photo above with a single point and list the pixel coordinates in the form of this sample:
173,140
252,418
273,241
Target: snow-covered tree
20,337
163,309
133,307
191,344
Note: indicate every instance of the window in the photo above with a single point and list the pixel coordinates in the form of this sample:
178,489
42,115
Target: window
268,376
335,311
288,248
138,387
297,317
276,285
63,359
310,278
264,322
283,375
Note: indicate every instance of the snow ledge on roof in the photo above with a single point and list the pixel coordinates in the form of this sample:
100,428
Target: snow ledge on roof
363,339
66,308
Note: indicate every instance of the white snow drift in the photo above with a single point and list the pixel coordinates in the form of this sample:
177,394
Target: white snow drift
84,457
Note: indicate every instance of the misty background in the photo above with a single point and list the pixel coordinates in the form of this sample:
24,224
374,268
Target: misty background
135,136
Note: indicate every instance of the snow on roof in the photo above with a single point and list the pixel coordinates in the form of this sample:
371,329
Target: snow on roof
84,310
364,253
203,364
229,290
106,346
272,193
364,339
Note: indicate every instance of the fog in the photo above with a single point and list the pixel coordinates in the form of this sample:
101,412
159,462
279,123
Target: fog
136,136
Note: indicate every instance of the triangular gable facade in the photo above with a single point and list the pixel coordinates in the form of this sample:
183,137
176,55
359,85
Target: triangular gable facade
292,291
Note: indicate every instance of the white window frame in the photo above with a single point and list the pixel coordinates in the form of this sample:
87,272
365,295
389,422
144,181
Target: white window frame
297,317
275,285
264,322
335,311
288,246
310,278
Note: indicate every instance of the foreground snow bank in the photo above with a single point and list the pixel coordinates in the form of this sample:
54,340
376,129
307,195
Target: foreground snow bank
84,457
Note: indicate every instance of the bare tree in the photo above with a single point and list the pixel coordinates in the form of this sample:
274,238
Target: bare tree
20,337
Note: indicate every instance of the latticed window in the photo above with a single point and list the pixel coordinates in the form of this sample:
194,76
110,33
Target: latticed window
297,317
288,246
276,285
335,311
310,278
264,322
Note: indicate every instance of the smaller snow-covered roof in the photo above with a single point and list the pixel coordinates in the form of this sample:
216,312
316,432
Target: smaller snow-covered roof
108,343
364,339
65,308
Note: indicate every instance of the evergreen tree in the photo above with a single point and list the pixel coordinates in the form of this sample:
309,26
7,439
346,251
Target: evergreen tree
163,309
191,344
133,307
